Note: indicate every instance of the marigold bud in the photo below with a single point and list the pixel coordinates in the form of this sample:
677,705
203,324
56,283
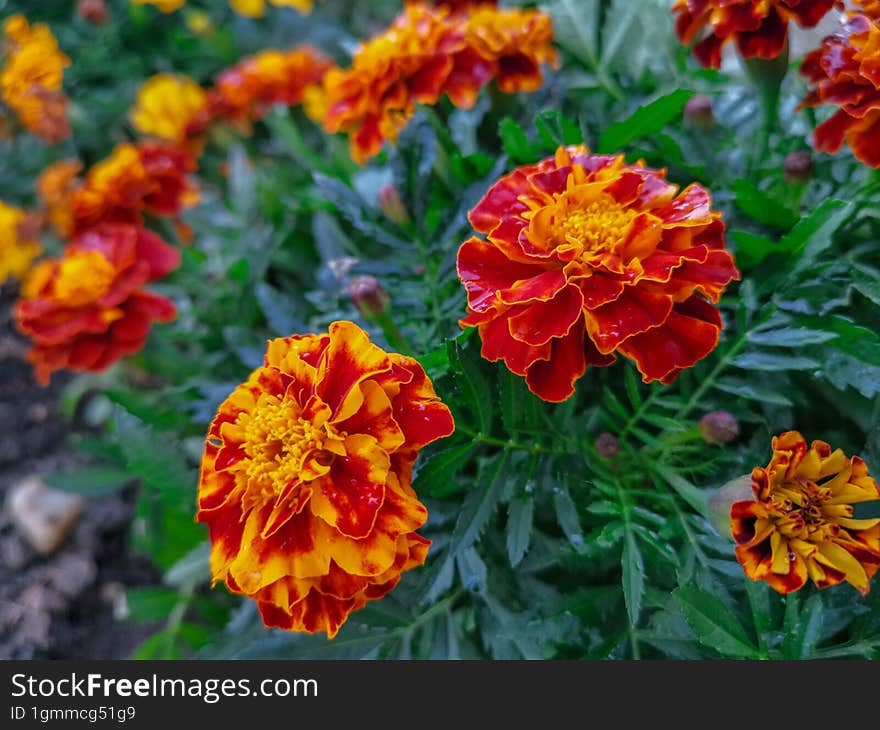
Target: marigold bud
607,445
392,205
719,427
798,167
367,294
94,11
698,112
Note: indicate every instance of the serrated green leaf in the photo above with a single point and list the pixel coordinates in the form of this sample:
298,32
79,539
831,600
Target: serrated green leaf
567,517
714,624
752,392
771,362
790,337
520,513
644,121
633,577
436,477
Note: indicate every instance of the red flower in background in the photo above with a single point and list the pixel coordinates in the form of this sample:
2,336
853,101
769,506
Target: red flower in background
430,52
845,72
587,257
246,91
758,27
305,480
147,177
88,308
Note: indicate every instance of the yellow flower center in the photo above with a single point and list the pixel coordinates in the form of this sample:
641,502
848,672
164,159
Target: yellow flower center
83,278
600,227
277,442
803,506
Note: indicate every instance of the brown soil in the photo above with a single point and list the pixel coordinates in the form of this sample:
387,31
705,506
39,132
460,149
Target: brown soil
70,604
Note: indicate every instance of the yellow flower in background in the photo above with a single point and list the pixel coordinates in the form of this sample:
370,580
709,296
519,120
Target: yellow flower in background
31,78
165,106
17,248
166,6
256,8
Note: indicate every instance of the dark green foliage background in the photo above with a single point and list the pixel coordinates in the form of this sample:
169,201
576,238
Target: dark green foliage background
542,548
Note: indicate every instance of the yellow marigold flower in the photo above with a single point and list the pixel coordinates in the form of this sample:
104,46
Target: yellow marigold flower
166,6
305,479
257,8
166,106
18,248
32,76
801,524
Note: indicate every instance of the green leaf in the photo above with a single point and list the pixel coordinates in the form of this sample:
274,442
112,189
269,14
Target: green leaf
751,249
567,517
515,141
555,129
520,513
813,234
633,577
92,482
752,392
696,498
436,477
714,624
803,628
472,570
467,372
759,206
771,362
576,27
790,337
646,120
148,604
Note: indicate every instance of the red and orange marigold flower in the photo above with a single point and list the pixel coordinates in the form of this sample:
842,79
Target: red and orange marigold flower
586,258
88,308
759,28
800,524
845,72
429,52
246,91
134,179
31,78
305,480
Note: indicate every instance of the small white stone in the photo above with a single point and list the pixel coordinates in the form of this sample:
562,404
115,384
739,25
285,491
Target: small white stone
43,515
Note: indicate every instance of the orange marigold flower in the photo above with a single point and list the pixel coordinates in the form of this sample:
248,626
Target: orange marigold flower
18,245
135,178
167,106
246,91
801,524
256,8
88,308
845,72
31,79
56,186
587,257
758,27
427,53
516,41
305,479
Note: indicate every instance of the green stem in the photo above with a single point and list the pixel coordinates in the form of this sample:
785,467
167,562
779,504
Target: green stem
395,337
710,379
511,444
756,618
